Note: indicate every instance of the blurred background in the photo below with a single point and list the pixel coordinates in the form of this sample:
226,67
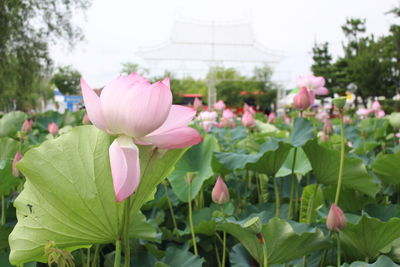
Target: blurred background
238,51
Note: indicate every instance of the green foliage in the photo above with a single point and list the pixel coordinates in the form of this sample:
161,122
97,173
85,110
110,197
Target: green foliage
67,80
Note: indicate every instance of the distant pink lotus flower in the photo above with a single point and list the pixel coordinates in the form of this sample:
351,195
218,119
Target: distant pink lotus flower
322,115
17,158
85,119
347,120
398,136
220,192
52,128
349,144
363,112
227,119
249,109
220,105
303,99
312,83
336,220
27,126
208,119
138,113
328,127
271,117
197,105
376,106
287,119
248,120
379,114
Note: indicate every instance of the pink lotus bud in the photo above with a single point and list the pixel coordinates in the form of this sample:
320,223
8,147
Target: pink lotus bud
248,120
220,192
86,119
303,99
220,105
27,126
376,106
328,127
347,120
349,144
287,119
228,114
52,128
271,117
336,220
197,105
363,112
17,158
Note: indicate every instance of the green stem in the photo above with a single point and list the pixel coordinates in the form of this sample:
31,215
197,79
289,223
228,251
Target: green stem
3,210
125,238
292,185
117,259
191,221
171,210
217,254
338,249
308,181
277,198
305,261
224,250
88,258
96,255
265,252
341,159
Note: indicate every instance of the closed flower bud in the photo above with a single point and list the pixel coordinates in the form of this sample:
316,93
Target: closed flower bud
17,158
303,99
248,120
52,128
220,105
220,192
27,126
197,105
336,220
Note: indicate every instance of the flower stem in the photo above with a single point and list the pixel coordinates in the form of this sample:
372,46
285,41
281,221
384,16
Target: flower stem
191,221
338,249
96,255
224,241
292,185
171,209
217,254
277,198
88,257
3,210
127,250
261,240
117,259
340,178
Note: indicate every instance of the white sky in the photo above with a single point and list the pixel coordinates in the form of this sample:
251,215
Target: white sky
114,29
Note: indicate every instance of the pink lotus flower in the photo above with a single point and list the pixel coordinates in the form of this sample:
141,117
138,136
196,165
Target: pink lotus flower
17,158
248,120
208,120
379,114
336,220
85,119
328,127
287,120
249,109
322,115
271,117
303,99
52,128
227,119
347,120
313,83
220,105
363,113
197,105
376,106
27,126
138,113
220,192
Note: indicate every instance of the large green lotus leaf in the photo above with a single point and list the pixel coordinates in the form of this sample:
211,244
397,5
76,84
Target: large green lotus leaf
197,159
325,164
175,256
311,199
387,168
8,148
382,261
302,165
239,257
11,123
285,242
368,237
302,132
272,159
68,196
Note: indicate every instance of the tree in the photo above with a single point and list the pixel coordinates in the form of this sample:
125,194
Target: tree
322,65
129,67
27,27
67,80
352,30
